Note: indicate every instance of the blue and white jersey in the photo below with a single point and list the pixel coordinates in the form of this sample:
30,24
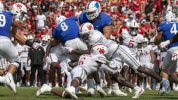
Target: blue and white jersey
99,23
169,29
66,30
5,23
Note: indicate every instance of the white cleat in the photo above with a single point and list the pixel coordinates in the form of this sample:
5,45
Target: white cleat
101,91
109,91
118,92
161,92
91,91
10,82
138,93
129,90
43,89
71,92
176,89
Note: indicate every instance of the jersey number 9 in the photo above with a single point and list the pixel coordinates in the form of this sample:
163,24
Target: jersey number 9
2,20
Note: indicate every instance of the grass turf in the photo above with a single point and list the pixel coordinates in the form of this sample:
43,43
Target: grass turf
28,93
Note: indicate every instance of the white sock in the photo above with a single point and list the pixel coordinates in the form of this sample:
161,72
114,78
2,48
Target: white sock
62,81
136,87
69,80
90,83
115,86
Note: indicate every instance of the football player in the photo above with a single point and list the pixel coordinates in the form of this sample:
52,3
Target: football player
167,30
146,58
8,25
100,20
88,64
116,50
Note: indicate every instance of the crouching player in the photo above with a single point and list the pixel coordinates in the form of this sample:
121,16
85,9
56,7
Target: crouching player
88,64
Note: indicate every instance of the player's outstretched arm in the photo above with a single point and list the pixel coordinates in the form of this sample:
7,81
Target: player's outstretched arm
16,33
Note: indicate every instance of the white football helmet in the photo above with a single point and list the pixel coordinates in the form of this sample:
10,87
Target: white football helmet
86,28
134,28
44,40
1,7
99,49
93,10
168,16
18,9
96,36
145,42
59,19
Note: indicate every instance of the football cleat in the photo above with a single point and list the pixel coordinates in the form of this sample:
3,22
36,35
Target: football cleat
10,82
43,89
91,91
118,92
101,91
71,92
138,93
109,91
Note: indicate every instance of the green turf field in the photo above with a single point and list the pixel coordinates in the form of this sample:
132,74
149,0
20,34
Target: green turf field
28,93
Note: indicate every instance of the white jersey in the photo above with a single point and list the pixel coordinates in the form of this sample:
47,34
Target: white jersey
19,50
40,20
131,41
112,47
144,55
89,62
115,51
24,53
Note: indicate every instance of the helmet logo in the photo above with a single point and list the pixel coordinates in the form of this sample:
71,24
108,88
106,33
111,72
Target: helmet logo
19,6
89,27
101,51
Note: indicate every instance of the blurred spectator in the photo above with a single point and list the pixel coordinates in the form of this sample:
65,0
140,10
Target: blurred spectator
36,56
40,18
45,6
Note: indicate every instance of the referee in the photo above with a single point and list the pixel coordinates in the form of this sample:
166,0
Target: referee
36,56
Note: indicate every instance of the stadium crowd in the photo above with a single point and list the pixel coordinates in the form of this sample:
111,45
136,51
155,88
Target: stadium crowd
42,19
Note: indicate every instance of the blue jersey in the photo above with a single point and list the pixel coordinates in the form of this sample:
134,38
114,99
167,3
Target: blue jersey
99,23
5,23
169,30
66,30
